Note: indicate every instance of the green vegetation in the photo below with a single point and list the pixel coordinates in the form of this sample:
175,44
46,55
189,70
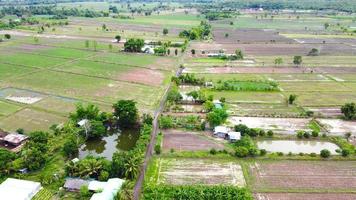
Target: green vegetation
236,85
197,192
349,110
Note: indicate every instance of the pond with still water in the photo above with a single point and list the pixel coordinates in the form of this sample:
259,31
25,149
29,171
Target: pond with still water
108,145
295,146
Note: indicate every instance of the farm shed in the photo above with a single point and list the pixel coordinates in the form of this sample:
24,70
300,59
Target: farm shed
15,138
233,136
16,189
221,131
74,184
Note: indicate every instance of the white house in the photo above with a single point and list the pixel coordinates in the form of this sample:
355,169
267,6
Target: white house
105,190
16,189
221,131
233,136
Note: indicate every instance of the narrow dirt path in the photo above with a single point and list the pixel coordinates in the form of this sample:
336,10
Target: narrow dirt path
149,150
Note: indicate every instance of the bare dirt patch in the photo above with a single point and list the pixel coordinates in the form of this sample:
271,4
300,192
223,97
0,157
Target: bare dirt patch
144,76
188,141
201,171
307,175
304,196
248,36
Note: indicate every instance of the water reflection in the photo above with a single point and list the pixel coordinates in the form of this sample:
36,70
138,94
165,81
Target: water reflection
108,145
296,146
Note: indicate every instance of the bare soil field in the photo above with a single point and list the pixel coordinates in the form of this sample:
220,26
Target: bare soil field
280,125
304,196
327,40
187,141
248,36
305,175
200,171
114,26
144,76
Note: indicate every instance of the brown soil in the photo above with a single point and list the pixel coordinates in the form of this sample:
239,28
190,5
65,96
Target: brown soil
304,196
305,175
144,76
187,141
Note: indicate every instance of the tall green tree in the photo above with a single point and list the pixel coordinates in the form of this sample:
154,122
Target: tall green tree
126,112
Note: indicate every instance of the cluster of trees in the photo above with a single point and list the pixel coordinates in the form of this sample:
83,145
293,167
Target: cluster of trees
201,192
306,134
217,116
90,167
14,23
201,32
340,5
216,15
246,147
134,45
190,79
246,131
50,10
33,156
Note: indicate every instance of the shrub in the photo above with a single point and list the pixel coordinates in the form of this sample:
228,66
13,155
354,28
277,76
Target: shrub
262,133
213,151
84,191
300,134
241,152
290,154
104,176
172,150
349,110
306,134
158,149
301,154
313,154
280,153
315,133
345,152
165,122
270,133
263,152
325,153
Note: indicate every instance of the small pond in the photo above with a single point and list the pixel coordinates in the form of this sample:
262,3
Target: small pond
295,146
108,145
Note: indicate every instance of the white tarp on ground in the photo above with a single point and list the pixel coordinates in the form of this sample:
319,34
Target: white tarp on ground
109,188
16,189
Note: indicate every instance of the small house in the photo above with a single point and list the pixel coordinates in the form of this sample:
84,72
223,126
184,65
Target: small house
221,131
233,136
217,104
74,184
15,139
105,190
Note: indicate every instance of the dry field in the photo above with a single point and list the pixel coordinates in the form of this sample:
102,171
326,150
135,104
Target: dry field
248,36
200,171
314,176
187,141
304,196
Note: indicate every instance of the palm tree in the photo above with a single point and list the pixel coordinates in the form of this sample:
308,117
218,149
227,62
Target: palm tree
131,167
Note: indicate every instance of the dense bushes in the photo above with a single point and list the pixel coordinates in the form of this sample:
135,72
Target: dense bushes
190,79
134,45
203,31
190,122
236,85
245,147
217,116
200,192
89,167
